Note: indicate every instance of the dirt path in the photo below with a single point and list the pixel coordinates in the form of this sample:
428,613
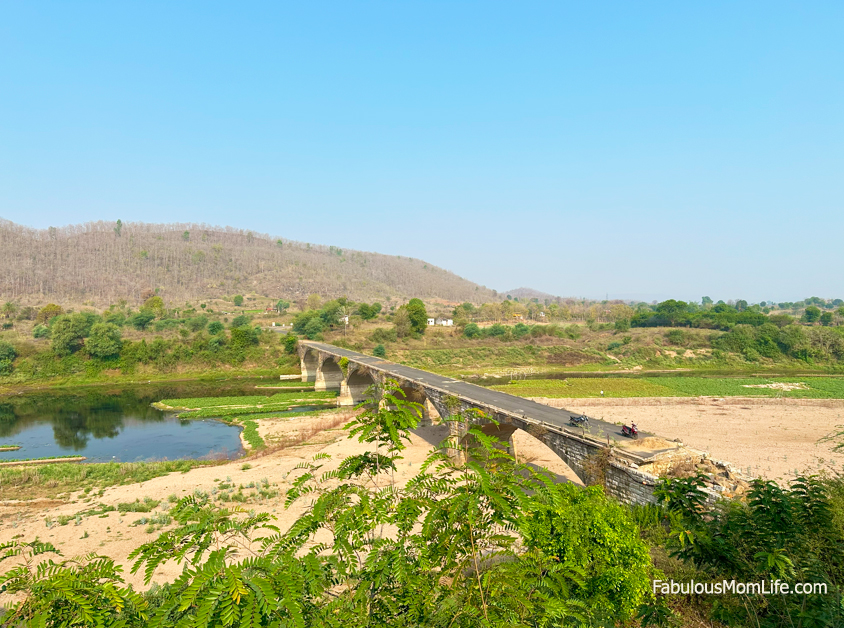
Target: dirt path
771,437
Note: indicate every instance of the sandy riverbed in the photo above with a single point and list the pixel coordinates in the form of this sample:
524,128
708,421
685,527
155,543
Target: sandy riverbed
770,438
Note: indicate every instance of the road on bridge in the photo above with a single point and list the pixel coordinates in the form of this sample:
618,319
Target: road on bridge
517,406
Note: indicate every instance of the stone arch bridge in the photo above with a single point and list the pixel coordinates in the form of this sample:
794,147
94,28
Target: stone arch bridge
630,475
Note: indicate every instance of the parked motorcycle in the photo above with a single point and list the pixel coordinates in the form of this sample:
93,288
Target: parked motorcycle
579,421
632,431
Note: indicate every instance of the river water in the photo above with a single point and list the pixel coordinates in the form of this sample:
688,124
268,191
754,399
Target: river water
117,423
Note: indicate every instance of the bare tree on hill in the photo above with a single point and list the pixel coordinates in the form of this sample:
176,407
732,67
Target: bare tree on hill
104,262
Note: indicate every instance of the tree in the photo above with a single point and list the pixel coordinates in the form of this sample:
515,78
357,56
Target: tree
401,320
812,314
706,302
40,331
240,321
197,323
826,319
418,316
141,320
472,330
238,300
672,311
155,305
379,351
314,328
9,309
68,332
49,311
282,306
314,301
7,356
215,328
291,343
243,337
186,236
366,312
118,227
104,341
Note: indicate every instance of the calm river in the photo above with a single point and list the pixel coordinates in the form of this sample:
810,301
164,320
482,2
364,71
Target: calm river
106,424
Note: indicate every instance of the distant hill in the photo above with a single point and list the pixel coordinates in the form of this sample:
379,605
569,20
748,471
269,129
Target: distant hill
104,262
525,294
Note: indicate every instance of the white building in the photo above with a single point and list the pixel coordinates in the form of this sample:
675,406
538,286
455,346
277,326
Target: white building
430,322
445,322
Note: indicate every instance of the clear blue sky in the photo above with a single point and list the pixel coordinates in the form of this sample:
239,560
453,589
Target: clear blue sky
643,150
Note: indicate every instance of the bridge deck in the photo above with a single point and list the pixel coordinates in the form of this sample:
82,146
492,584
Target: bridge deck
511,404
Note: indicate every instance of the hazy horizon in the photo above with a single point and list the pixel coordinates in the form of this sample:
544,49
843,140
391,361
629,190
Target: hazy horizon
659,151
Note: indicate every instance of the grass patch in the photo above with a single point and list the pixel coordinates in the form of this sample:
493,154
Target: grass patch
251,435
146,505
616,387
231,411
50,480
245,401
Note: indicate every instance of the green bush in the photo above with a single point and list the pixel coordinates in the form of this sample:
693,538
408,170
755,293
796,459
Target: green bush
676,337
104,341
291,343
379,351
240,321
215,328
382,335
167,323
472,330
198,323
585,529
41,331
141,320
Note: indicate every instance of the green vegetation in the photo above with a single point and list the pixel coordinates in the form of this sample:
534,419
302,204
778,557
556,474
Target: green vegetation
9,461
148,504
268,408
251,435
87,345
810,387
207,407
49,480
244,401
792,534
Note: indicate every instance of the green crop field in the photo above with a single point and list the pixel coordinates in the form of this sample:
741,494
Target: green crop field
810,387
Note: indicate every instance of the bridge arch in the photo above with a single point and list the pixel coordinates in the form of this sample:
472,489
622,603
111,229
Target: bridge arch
329,375
357,383
415,393
309,362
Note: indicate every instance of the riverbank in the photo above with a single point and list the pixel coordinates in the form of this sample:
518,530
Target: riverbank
268,375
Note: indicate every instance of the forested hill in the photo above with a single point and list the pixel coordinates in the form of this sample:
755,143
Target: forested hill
104,262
